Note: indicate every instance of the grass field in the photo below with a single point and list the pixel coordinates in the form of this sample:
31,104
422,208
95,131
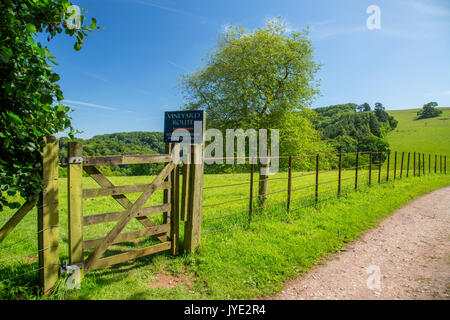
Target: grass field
425,135
239,263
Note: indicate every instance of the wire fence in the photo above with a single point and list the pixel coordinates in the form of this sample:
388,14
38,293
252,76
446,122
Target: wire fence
294,189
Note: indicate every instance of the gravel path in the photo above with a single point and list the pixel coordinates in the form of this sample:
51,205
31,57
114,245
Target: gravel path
409,253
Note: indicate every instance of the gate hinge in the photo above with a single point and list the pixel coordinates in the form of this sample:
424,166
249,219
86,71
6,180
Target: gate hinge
69,268
75,159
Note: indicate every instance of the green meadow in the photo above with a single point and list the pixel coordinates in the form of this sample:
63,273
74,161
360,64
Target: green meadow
426,135
237,260
242,262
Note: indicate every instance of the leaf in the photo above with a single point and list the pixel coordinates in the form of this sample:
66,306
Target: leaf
77,46
31,28
5,54
54,77
15,118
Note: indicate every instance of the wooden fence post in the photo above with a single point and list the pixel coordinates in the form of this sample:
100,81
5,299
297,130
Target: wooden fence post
250,202
407,166
316,193
263,182
48,218
387,166
356,170
288,205
445,164
395,165
379,167
370,168
340,174
423,163
193,225
435,163
429,163
440,166
418,155
401,165
75,201
414,165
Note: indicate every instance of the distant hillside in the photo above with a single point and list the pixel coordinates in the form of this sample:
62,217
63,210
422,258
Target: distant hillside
120,143
427,135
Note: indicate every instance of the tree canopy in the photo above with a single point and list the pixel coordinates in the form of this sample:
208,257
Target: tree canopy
29,95
429,111
253,78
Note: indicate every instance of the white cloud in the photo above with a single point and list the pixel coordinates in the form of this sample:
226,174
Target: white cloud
73,103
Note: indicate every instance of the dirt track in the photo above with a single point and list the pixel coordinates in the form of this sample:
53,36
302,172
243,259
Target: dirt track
411,248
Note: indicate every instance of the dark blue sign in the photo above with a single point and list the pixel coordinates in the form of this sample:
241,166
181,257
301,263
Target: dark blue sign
184,120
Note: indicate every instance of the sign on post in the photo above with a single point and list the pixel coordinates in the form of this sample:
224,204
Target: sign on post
184,120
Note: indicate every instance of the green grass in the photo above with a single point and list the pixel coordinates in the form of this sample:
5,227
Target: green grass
426,135
240,263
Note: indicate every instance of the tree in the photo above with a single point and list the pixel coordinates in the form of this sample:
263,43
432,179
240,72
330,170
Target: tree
253,79
30,96
365,107
429,111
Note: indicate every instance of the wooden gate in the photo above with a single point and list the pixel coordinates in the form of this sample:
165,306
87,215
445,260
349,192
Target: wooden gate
166,233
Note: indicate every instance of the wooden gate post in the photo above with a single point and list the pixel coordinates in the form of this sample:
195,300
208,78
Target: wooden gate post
175,207
193,224
75,201
48,218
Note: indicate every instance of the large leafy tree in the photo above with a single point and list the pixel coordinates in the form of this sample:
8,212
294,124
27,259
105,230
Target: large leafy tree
29,95
254,78
429,111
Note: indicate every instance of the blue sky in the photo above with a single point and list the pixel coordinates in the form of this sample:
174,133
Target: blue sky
125,76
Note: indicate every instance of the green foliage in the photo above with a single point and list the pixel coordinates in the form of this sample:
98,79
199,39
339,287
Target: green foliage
122,143
254,78
350,131
29,93
429,111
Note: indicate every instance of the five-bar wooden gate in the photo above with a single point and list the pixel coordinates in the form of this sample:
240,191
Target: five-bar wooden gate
167,233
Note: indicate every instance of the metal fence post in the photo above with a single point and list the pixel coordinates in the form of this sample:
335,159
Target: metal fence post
370,168
414,165
418,155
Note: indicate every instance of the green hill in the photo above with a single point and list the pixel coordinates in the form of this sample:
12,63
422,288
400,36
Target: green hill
426,135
